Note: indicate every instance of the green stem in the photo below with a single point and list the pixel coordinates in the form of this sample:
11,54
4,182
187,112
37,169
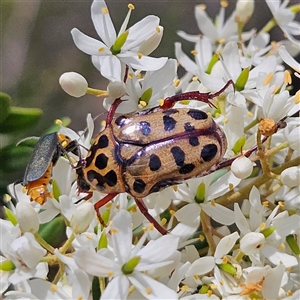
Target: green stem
269,25
67,244
206,227
250,125
99,93
102,284
43,243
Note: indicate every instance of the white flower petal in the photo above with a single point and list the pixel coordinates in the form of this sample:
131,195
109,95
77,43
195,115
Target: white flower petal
117,288
184,60
219,213
272,282
201,266
87,44
226,244
103,23
150,288
252,242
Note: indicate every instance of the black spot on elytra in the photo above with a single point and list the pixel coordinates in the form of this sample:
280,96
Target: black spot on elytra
188,127
194,141
139,185
89,159
197,114
110,178
102,142
186,168
154,162
120,121
209,152
178,155
145,128
170,111
101,161
169,123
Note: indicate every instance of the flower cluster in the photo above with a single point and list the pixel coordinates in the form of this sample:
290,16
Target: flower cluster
232,233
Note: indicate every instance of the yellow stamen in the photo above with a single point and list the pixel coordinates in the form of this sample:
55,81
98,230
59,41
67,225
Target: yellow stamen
114,230
213,203
143,103
276,89
201,237
163,221
194,52
148,290
184,288
202,6
262,226
58,122
157,29
226,120
140,55
104,10
268,79
150,227
224,3
130,75
176,82
281,204
134,209
281,247
265,203
287,77
110,274
297,97
195,78
175,188
289,293
172,212
224,260
131,290
221,41
53,288
24,190
231,186
249,114
108,205
7,197
209,293
161,102
89,237
102,49
131,6
217,115
213,286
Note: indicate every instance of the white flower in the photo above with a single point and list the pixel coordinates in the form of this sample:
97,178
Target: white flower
244,10
242,167
127,265
294,139
111,55
82,217
74,84
251,242
291,176
289,60
27,217
285,19
203,265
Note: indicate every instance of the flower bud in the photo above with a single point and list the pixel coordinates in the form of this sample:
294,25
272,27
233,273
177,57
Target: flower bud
27,217
116,89
291,177
294,139
152,43
82,217
73,84
244,10
252,242
242,167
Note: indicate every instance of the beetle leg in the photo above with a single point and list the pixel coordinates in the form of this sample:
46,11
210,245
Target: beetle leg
112,111
195,95
102,202
142,207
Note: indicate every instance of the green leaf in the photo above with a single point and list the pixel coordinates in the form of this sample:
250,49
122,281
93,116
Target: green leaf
54,232
20,118
5,101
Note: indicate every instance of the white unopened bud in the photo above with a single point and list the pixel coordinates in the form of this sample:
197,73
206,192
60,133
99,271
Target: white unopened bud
252,242
73,84
82,217
291,177
244,10
153,42
294,139
242,167
116,89
27,217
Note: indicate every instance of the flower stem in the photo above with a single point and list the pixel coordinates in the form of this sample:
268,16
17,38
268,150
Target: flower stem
206,227
67,244
43,243
243,193
269,25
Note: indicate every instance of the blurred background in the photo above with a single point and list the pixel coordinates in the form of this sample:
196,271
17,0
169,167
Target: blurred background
37,47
